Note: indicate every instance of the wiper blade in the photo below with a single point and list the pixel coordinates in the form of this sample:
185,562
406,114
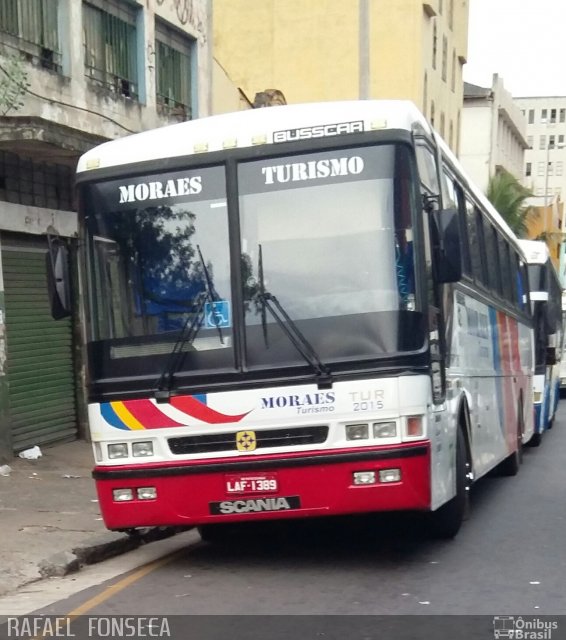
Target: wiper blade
188,333
210,294
324,378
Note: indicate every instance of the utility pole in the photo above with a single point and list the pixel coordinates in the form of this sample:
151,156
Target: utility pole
364,48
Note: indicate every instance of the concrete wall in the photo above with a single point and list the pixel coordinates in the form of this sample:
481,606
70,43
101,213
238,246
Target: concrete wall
72,100
319,50
475,142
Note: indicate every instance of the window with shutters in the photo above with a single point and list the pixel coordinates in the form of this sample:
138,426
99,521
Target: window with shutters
173,60
30,26
110,45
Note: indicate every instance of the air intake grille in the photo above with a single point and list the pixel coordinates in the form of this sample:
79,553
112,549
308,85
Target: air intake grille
219,442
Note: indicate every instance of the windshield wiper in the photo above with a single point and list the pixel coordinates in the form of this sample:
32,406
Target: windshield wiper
211,294
324,379
188,333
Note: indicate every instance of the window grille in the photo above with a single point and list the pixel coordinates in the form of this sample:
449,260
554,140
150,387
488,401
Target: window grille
173,69
40,184
31,27
110,46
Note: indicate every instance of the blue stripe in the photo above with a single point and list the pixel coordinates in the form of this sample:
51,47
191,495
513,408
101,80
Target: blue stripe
111,416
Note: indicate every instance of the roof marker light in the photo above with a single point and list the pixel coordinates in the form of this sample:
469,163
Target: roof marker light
93,163
260,139
231,143
200,147
378,124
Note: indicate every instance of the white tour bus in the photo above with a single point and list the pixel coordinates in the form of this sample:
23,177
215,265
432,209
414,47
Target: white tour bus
545,293
296,311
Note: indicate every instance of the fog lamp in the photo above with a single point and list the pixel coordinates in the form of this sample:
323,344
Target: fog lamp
364,477
122,495
390,475
147,493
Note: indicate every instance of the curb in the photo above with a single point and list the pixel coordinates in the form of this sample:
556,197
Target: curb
108,545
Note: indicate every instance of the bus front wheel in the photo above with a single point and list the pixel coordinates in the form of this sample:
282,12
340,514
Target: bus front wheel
446,521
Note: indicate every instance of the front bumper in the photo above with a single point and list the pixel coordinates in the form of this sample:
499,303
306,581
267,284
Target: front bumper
322,481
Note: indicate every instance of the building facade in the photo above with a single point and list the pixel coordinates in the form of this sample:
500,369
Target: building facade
73,74
493,134
319,50
544,170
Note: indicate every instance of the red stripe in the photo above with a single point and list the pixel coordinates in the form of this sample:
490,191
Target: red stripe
149,415
196,409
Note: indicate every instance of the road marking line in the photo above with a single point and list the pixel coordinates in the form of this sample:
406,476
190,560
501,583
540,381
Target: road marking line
113,589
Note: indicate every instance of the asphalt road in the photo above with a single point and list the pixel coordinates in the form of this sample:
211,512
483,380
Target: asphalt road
508,559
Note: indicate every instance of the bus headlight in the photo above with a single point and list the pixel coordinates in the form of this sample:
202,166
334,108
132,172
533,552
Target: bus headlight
384,430
117,450
142,449
357,431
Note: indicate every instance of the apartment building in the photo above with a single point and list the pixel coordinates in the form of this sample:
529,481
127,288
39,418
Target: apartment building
544,169
73,73
493,134
318,50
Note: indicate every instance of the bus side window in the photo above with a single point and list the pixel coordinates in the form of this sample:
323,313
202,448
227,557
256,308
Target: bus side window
427,168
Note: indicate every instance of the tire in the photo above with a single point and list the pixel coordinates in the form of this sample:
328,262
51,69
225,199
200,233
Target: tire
511,465
535,440
215,533
446,521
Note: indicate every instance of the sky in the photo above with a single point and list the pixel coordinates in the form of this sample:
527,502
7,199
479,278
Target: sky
523,41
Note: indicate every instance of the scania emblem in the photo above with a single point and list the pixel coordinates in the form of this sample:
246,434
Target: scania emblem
246,441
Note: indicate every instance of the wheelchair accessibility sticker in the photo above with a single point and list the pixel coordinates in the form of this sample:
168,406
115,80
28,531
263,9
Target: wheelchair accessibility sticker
217,314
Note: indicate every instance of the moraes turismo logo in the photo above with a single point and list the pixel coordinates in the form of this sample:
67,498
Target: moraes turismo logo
159,190
318,131
302,171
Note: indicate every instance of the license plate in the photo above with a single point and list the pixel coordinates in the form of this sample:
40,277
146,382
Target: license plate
240,484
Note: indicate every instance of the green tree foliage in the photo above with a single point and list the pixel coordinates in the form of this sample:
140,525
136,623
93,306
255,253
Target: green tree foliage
509,197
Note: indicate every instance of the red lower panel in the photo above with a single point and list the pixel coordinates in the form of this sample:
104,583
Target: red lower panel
321,489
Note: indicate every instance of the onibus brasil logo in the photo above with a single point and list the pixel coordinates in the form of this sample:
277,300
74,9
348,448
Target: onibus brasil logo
517,627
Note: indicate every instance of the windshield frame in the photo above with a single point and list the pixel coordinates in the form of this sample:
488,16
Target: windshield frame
138,383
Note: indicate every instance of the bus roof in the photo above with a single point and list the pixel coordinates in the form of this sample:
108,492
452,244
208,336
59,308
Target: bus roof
535,251
252,127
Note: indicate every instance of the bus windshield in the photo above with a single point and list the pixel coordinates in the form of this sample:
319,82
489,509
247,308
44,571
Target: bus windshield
335,231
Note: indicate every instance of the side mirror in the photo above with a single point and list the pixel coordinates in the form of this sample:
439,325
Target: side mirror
58,281
551,356
448,248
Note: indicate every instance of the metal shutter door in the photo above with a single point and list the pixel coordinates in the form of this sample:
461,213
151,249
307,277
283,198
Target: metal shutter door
40,354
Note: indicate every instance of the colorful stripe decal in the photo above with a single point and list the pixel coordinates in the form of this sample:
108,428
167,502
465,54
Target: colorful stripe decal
148,415
126,416
135,415
194,407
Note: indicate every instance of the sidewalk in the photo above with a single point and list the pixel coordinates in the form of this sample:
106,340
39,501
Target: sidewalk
50,522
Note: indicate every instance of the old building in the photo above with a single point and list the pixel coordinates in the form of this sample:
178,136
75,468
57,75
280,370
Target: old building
73,73
493,134
318,50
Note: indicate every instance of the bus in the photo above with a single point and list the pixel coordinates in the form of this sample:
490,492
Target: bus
563,359
546,302
292,312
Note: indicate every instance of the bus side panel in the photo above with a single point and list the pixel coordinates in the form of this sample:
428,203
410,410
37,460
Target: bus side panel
490,362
